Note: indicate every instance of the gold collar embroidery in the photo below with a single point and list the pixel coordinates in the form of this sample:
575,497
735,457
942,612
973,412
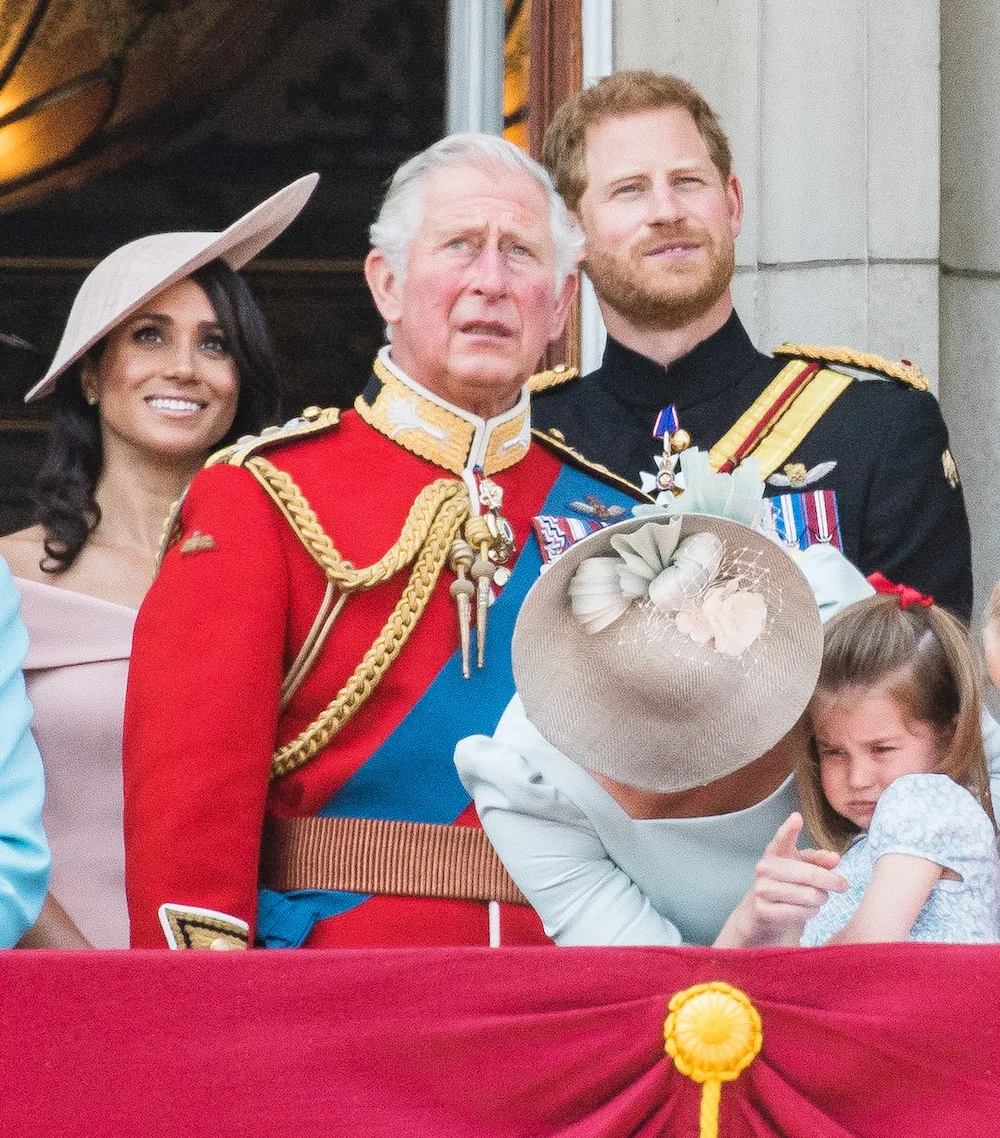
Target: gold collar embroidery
451,438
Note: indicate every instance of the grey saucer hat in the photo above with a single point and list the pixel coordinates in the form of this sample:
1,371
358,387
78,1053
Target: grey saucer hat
131,275
668,653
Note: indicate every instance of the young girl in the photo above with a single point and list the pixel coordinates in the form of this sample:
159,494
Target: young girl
897,780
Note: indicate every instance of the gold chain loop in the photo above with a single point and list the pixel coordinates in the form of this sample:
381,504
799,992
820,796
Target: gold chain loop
434,521
290,500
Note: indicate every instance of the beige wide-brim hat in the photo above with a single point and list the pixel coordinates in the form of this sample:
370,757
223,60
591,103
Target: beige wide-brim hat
642,702
131,275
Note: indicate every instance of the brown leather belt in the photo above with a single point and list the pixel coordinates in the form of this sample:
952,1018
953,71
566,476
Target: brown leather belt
371,855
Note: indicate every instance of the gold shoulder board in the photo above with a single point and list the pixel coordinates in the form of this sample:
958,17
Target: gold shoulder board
543,380
905,371
313,420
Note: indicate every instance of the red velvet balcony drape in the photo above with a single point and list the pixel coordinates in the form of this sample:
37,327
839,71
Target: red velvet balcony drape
883,1040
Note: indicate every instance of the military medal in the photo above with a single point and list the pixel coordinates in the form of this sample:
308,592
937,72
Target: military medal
804,519
675,439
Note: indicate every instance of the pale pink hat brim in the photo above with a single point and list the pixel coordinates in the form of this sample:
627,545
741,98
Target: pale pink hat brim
131,275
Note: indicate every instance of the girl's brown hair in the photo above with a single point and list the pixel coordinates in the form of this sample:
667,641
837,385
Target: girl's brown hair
920,657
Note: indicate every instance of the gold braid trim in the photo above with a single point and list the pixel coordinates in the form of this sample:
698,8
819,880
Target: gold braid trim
904,371
301,517
434,521
430,561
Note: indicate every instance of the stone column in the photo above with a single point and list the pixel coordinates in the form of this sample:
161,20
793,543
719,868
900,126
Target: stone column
832,114
970,266
475,66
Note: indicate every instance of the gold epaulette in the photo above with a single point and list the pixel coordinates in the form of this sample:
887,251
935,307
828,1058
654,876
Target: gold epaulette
553,440
313,420
543,380
310,422
905,371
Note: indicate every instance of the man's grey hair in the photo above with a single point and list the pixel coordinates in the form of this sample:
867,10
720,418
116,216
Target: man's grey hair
403,208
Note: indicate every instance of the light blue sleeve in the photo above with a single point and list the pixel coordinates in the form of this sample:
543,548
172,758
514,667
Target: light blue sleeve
549,845
930,816
24,852
835,581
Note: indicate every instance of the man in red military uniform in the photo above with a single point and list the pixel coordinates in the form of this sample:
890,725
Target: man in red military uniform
335,606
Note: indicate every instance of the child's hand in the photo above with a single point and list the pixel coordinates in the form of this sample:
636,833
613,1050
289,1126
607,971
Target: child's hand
791,885
784,845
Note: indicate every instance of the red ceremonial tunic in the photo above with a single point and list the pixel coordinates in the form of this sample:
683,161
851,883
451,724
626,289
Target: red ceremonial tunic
218,631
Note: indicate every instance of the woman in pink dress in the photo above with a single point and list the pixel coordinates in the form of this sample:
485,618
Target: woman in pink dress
165,357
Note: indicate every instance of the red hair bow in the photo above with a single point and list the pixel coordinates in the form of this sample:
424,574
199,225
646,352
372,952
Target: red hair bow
907,596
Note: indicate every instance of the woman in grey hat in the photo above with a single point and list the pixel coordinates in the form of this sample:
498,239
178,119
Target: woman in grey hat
164,358
642,776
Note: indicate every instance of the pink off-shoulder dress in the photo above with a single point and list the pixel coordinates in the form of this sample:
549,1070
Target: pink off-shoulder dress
76,671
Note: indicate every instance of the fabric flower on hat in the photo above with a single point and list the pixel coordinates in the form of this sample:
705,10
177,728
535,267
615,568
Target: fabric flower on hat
735,616
694,624
676,576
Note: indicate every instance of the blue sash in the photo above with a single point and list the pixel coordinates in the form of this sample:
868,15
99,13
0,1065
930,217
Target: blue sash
412,776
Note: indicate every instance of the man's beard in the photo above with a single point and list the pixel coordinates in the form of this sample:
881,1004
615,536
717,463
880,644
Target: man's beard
650,295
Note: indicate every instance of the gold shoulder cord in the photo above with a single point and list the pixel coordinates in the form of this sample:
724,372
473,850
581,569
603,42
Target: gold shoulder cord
434,521
904,371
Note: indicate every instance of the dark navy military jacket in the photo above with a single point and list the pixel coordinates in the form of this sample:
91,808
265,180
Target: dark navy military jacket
898,511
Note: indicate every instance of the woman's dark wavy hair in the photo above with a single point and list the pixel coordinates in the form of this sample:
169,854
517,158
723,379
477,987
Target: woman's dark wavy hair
64,489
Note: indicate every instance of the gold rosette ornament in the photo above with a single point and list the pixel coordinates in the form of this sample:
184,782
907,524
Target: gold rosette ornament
712,1034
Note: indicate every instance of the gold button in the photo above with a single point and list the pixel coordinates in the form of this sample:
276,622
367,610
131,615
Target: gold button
679,440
